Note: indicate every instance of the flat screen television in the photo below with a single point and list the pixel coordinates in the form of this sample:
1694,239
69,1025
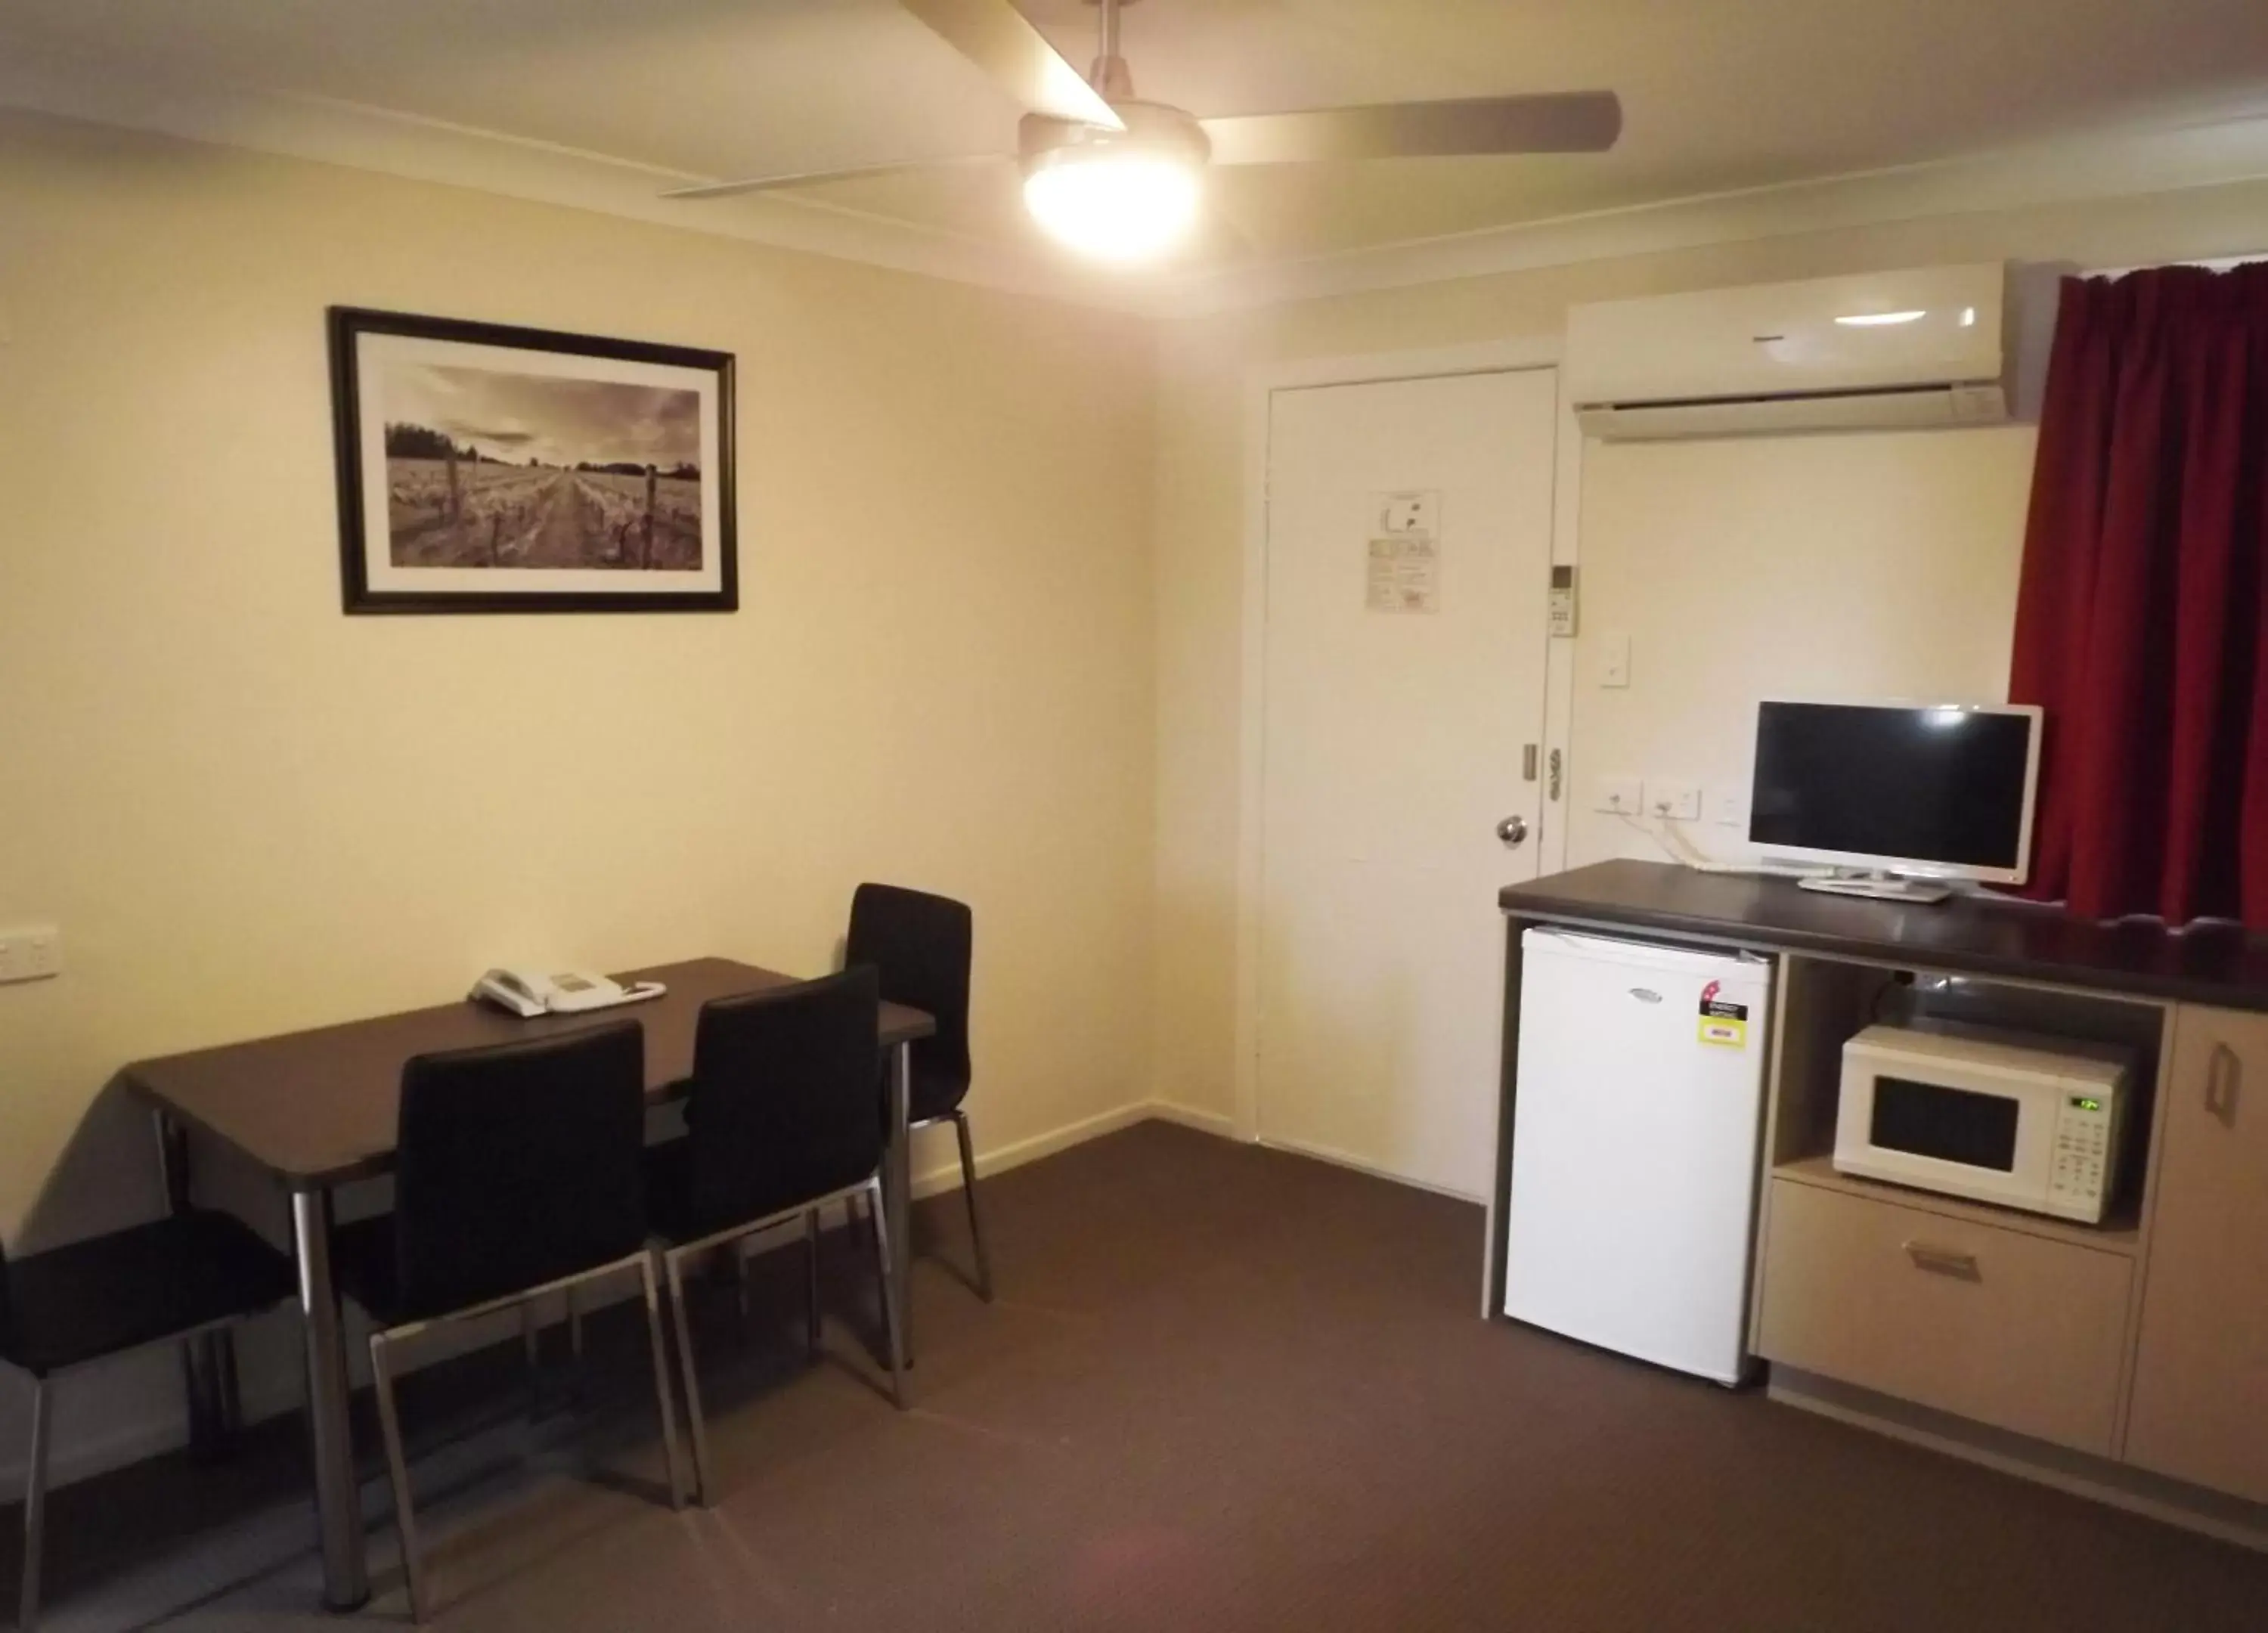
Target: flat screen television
1929,791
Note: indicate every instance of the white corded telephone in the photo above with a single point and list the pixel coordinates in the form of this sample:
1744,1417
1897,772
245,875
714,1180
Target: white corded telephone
526,993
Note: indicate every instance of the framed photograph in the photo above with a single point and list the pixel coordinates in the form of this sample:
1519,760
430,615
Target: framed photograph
489,469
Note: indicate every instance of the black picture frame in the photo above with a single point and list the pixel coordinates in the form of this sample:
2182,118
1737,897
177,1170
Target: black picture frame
347,327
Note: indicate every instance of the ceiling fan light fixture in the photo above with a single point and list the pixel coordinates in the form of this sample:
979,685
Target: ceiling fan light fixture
1117,204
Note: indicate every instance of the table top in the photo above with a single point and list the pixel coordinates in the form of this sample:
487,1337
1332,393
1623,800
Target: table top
1980,935
320,1107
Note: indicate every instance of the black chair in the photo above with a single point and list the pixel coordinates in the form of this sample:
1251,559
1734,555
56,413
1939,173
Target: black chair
520,1172
782,1119
923,945
162,1283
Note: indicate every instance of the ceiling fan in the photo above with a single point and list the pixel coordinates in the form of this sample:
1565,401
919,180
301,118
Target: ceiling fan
1123,179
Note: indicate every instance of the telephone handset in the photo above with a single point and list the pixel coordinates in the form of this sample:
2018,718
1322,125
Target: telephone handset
528,994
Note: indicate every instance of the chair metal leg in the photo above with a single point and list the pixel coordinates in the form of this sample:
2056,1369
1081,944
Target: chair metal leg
397,1468
968,1195
885,1260
692,1415
35,1503
231,1388
811,1280
531,1343
660,1382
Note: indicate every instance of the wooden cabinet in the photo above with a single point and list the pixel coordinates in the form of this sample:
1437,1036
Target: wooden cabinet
2200,1399
1996,1325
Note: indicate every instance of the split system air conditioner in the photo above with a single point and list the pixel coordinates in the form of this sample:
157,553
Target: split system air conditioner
1913,349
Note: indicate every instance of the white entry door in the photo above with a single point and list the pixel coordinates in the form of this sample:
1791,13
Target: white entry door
1409,556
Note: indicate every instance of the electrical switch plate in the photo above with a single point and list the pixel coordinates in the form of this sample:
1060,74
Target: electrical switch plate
1673,801
30,953
1614,659
1623,796
1728,807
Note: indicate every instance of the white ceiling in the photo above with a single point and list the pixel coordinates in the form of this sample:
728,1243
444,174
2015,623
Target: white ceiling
1718,95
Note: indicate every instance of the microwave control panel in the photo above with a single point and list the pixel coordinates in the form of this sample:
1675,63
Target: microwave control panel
2078,1183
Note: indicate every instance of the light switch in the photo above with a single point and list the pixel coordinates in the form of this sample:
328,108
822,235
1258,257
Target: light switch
31,953
1728,807
1614,659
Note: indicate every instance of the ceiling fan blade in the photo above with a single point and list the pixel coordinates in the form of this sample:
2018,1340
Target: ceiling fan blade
1220,240
995,36
1574,121
813,177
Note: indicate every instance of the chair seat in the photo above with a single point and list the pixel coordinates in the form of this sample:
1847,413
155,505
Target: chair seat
137,1286
935,1094
365,1264
366,1268
669,1196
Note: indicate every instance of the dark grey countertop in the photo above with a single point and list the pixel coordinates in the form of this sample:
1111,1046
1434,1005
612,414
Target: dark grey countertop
1977,935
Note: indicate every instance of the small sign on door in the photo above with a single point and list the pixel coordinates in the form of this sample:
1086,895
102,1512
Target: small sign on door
1402,572
1405,575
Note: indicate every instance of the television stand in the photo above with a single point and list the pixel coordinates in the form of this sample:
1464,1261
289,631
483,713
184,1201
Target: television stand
1880,888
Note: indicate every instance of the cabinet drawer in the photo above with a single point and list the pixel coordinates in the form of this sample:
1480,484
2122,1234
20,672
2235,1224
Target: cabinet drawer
1997,1326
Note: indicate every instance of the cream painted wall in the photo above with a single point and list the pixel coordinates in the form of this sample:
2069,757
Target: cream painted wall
1925,527
249,812
1862,566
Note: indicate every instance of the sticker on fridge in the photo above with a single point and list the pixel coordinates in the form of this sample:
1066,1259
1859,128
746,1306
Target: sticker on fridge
1723,1022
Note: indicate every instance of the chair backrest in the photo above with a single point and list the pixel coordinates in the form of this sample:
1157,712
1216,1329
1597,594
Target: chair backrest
519,1164
923,945
783,1108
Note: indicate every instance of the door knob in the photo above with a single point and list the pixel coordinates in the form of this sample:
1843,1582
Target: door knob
1512,829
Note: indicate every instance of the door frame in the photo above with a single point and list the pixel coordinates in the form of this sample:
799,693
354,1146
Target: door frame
1262,382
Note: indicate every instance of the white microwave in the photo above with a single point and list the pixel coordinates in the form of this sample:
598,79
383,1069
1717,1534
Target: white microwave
1997,1117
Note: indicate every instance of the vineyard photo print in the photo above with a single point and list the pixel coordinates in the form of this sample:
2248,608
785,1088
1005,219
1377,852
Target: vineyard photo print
484,468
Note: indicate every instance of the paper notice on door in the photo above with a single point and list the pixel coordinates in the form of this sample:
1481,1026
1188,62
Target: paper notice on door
1405,574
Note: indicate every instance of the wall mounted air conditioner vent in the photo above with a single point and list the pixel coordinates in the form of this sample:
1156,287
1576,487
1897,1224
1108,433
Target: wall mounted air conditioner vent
1913,349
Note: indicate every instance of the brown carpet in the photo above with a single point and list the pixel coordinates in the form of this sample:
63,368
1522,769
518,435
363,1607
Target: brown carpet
1223,1388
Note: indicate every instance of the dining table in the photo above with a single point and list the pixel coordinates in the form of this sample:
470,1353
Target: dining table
318,1109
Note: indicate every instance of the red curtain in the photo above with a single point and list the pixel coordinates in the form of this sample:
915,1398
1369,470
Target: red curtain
2140,614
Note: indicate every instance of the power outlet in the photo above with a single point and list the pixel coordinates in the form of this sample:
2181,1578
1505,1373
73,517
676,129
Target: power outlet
1728,807
1621,796
31,953
1674,802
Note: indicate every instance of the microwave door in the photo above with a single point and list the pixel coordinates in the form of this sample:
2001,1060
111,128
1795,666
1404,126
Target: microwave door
1993,1146
1945,1124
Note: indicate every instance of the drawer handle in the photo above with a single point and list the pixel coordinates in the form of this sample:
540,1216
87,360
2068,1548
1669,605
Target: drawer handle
1944,1262
2220,1084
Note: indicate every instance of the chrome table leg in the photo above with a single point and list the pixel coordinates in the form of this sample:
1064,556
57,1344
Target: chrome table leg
338,1500
897,1198
35,1500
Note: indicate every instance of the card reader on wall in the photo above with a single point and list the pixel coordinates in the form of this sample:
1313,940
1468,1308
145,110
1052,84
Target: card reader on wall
1563,600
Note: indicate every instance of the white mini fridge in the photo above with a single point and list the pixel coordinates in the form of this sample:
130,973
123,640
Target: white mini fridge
1636,1133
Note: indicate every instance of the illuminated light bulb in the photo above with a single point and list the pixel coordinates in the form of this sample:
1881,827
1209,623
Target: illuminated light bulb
1114,204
